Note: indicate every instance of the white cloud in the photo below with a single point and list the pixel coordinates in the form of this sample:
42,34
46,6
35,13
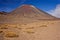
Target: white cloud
56,11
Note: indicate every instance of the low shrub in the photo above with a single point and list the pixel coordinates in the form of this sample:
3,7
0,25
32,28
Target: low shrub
11,34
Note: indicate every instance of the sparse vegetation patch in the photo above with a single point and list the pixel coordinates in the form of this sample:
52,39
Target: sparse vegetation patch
44,26
1,31
11,34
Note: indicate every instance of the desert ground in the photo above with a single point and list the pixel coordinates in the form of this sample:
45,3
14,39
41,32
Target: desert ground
40,30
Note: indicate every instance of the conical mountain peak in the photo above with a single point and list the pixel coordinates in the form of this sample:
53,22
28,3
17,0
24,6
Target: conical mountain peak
31,11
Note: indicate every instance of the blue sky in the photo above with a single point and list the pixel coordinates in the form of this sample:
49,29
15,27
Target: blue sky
45,5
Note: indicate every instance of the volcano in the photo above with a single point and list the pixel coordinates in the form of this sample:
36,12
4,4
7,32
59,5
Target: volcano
26,14
32,12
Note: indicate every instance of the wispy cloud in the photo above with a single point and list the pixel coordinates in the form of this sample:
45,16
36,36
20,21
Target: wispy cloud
56,11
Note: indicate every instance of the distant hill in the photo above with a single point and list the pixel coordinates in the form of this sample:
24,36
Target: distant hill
3,13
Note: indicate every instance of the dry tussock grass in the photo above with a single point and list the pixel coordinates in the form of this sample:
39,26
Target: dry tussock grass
11,34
